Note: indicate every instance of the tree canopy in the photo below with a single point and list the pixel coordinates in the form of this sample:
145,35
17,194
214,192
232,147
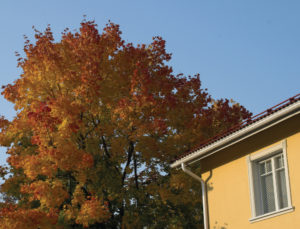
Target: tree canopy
98,121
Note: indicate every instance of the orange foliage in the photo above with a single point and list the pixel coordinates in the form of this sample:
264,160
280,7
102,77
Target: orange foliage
98,120
92,211
15,218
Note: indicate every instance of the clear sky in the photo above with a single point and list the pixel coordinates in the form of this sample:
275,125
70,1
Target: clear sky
245,50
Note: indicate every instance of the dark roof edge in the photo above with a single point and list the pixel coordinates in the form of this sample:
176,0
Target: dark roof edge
257,123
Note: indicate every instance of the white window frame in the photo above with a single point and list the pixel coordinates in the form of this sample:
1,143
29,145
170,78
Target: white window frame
253,178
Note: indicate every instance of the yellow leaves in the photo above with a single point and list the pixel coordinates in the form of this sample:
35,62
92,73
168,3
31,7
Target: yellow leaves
34,165
78,196
50,194
12,131
15,218
64,125
97,116
67,156
12,185
86,210
67,106
5,139
67,128
3,122
92,211
46,160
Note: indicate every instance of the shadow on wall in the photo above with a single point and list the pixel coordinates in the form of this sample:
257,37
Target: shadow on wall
218,225
209,185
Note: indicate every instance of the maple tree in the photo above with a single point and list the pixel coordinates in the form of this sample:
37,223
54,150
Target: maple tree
98,122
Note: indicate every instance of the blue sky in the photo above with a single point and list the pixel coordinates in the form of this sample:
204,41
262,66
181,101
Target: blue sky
245,50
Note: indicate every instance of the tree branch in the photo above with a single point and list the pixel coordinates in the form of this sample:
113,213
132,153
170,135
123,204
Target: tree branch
129,156
107,153
135,171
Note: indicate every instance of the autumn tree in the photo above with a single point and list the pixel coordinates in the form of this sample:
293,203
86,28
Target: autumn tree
98,121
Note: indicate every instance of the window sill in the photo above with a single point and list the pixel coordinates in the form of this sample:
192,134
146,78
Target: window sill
271,214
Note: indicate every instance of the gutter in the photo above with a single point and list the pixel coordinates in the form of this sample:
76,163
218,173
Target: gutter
204,199
273,119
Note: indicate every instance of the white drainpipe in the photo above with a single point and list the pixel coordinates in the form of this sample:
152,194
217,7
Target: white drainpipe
203,186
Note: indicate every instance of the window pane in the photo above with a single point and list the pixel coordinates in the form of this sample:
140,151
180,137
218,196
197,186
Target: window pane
281,189
269,166
279,162
268,193
262,168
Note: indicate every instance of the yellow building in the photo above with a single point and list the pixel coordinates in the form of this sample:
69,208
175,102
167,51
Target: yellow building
251,175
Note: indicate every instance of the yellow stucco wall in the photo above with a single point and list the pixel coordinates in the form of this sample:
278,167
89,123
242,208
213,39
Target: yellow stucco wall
228,188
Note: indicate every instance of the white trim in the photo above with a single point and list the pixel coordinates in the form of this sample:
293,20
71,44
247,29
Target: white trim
268,152
271,214
275,184
251,185
259,156
287,176
240,135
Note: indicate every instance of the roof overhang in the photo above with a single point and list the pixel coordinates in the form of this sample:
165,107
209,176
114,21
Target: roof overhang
252,129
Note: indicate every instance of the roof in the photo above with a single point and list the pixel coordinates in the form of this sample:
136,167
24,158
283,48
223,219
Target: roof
245,127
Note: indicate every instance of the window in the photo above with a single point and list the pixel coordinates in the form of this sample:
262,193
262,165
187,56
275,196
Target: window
269,185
